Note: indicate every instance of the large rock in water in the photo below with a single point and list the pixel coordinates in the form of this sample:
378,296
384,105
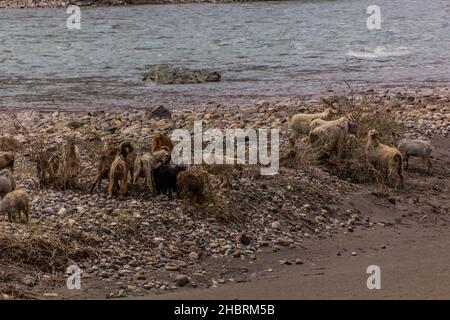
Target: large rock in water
168,74
161,112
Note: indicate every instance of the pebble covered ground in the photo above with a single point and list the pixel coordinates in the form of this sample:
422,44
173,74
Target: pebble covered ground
127,241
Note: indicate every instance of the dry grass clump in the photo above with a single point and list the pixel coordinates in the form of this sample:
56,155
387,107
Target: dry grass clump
352,164
219,207
301,157
46,252
11,291
10,144
205,196
48,160
193,184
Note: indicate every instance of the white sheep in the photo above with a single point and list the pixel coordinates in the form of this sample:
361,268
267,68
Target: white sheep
328,136
385,158
316,123
299,123
416,148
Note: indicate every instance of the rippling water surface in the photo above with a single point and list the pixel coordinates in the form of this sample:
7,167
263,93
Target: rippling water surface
263,49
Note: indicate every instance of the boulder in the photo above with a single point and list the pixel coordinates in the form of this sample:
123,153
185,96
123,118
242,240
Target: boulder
169,74
161,112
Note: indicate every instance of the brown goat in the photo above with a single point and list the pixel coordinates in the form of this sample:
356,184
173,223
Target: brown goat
327,137
14,203
159,140
108,156
7,182
118,173
385,158
7,161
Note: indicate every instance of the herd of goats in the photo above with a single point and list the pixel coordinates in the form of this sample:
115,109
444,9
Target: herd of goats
119,161
328,136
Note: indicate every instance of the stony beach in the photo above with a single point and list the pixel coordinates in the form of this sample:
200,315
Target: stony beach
147,243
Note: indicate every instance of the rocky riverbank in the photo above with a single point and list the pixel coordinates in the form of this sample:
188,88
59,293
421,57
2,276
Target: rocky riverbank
146,243
65,3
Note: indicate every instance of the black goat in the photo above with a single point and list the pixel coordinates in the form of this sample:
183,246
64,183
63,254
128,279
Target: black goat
166,178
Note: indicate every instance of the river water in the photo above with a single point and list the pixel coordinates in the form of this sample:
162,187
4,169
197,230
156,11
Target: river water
263,49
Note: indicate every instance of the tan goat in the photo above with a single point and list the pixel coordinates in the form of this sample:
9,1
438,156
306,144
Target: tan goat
299,123
385,159
7,161
328,137
14,203
146,163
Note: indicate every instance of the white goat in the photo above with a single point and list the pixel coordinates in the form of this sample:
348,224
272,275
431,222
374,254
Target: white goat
145,163
330,135
299,123
416,148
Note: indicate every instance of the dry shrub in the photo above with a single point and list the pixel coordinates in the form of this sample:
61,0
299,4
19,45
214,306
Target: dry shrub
47,253
45,157
48,162
193,184
225,210
301,157
220,208
69,168
352,164
205,198
13,291
10,144
93,146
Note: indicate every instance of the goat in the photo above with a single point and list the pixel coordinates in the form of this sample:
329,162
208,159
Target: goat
7,161
299,123
225,170
159,140
48,163
416,148
146,163
330,135
316,123
118,173
7,182
385,158
166,178
14,203
109,153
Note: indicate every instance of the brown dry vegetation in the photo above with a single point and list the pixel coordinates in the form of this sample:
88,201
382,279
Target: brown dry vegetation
46,252
193,185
